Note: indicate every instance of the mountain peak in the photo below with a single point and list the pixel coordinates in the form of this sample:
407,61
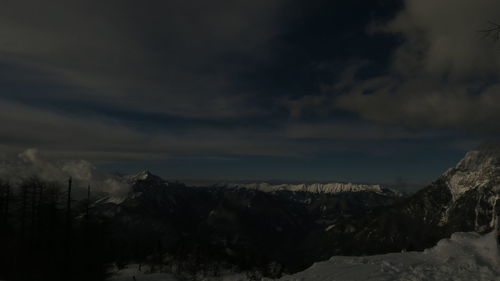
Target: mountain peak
487,152
479,168
142,176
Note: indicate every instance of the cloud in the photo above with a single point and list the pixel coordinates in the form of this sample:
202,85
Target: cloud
169,57
419,105
442,38
442,75
103,139
320,104
80,170
100,140
352,131
85,80
30,163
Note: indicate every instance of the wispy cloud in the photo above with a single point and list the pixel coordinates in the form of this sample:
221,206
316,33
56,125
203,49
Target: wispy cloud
170,57
443,75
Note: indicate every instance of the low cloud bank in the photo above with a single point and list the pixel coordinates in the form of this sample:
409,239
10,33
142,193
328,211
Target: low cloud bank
31,163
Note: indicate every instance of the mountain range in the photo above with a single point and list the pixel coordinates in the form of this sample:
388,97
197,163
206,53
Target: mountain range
231,223
464,198
284,228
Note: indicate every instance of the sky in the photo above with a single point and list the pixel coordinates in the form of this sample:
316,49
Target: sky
322,90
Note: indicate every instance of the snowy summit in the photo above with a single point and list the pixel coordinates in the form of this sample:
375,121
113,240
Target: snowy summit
330,188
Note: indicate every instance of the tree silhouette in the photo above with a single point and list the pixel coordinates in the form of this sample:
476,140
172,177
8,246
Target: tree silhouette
4,204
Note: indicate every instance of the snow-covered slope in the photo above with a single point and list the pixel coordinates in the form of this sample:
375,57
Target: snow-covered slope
465,256
480,168
474,185
316,187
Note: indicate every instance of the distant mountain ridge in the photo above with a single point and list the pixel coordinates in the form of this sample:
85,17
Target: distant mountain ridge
331,188
228,222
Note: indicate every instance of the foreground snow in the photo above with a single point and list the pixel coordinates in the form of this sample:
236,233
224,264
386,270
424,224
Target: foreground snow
465,256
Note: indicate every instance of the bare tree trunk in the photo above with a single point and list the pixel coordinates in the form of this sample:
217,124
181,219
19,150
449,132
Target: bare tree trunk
40,211
88,204
7,202
24,196
34,185
68,206
67,267
160,255
4,204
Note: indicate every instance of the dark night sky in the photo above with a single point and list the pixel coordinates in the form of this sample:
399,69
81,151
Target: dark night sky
347,90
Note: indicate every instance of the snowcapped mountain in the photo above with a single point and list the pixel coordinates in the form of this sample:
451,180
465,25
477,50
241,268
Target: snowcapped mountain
464,198
329,199
299,224
230,222
474,186
142,176
123,187
146,181
480,169
316,187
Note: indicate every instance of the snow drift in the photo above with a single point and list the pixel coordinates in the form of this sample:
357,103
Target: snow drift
465,256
